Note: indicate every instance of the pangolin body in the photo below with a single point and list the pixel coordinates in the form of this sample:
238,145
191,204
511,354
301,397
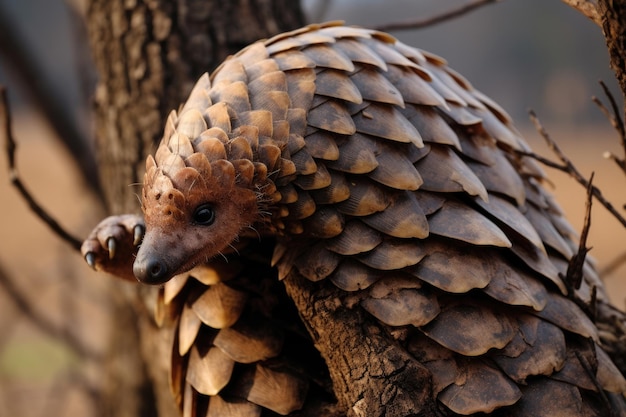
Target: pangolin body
362,164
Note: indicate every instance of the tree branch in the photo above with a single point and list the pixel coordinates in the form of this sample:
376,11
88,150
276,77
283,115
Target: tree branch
587,7
41,89
568,167
617,122
6,131
433,20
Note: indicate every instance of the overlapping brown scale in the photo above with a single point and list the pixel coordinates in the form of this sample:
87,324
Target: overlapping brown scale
568,316
337,30
315,181
261,68
218,116
374,86
333,117
366,197
429,202
356,155
358,52
516,287
301,87
356,238
456,268
210,371
336,192
538,349
188,327
573,371
415,87
461,222
317,263
219,305
198,97
305,165
512,218
292,60
501,178
538,261
395,169
235,94
387,122
325,223
191,123
295,144
219,407
351,275
431,125
337,84
398,301
460,115
393,254
546,397
413,54
390,54
497,129
547,231
248,56
262,119
471,329
281,392
269,155
328,57
232,70
250,340
451,95
477,146
609,377
321,144
403,217
479,388
444,171
239,148
460,87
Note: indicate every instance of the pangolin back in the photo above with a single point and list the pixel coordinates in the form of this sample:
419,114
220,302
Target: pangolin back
381,171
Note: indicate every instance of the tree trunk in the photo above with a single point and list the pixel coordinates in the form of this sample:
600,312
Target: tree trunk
148,55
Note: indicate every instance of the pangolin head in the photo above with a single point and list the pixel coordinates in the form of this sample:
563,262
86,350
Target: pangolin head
201,192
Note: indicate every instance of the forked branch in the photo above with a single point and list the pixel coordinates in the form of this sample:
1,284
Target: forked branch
6,131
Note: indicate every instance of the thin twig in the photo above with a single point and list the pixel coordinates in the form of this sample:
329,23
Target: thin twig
42,321
574,275
568,167
45,94
614,117
6,131
433,20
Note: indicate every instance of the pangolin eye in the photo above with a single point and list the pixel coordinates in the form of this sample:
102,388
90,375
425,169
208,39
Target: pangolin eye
204,215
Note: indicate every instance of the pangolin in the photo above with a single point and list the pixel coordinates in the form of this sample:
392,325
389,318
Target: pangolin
341,156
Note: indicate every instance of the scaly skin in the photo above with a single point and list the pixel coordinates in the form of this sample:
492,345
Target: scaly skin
376,171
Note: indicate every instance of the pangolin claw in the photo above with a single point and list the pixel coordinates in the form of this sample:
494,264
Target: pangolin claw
90,258
112,246
138,232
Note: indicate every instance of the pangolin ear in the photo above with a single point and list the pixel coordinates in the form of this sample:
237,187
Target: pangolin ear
224,172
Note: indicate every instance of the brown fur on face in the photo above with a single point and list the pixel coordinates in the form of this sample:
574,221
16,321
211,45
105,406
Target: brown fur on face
174,242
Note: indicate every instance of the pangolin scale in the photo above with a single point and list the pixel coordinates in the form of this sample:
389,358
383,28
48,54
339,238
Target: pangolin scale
343,156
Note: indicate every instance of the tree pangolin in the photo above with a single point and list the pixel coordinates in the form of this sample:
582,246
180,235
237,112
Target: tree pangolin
367,175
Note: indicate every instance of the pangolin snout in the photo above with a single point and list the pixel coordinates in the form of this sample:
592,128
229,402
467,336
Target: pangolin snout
150,270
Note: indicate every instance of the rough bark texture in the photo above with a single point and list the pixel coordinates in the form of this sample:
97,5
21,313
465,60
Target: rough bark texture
148,55
613,17
372,375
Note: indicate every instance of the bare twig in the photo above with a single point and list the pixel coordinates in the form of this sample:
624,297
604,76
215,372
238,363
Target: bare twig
616,121
586,7
6,131
568,167
433,20
42,321
45,95
574,275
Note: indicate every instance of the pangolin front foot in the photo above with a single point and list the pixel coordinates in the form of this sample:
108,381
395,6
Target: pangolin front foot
112,245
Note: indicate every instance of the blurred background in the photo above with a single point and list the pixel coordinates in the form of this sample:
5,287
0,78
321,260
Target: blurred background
522,53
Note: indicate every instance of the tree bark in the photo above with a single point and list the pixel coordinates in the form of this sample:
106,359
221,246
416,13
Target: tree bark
613,18
148,54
